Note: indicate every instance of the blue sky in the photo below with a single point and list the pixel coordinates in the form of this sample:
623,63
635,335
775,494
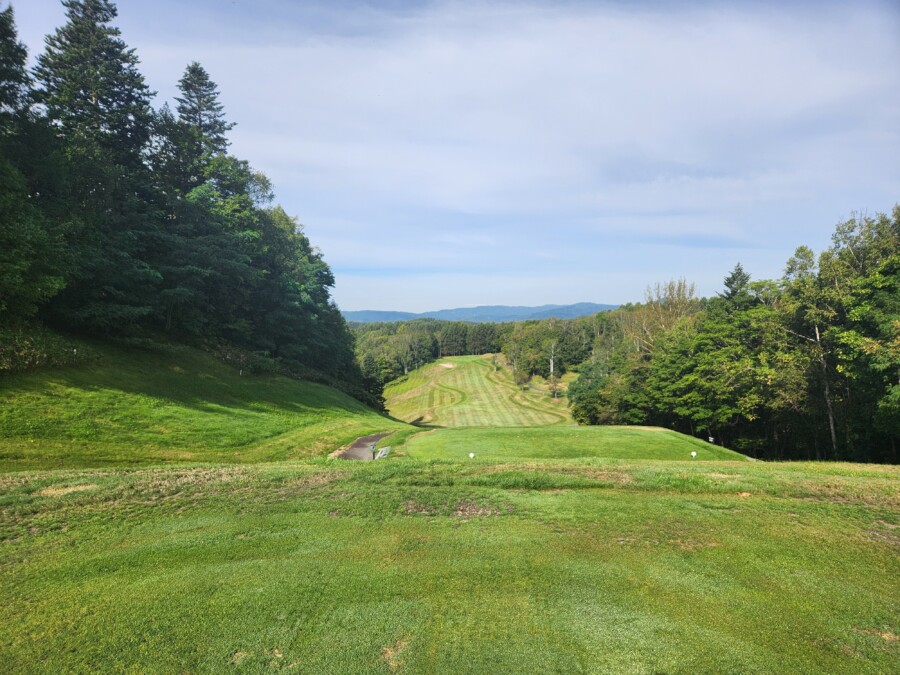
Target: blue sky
449,154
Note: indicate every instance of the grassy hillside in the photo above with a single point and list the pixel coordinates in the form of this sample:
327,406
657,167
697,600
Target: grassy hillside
556,549
470,391
452,567
564,443
137,406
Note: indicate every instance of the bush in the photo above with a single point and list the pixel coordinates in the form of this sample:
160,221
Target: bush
26,345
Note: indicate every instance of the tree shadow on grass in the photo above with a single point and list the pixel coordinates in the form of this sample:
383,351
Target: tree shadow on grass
189,379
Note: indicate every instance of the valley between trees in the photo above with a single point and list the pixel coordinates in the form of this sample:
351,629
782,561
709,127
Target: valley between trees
159,511
174,376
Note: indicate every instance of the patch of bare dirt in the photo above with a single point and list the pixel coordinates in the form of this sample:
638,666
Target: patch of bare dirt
237,657
889,537
885,635
469,509
463,509
603,475
310,482
608,476
447,365
392,655
60,490
691,545
167,480
743,494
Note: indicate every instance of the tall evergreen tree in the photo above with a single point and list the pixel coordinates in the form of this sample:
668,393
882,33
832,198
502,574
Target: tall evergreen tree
91,84
199,108
14,78
27,250
100,105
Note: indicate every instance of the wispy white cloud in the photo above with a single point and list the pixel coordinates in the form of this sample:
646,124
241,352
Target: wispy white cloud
518,150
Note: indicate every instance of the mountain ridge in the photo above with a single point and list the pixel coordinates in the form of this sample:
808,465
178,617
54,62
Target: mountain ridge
482,313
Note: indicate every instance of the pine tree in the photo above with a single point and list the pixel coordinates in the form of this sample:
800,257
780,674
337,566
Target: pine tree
14,78
199,108
91,84
27,251
98,101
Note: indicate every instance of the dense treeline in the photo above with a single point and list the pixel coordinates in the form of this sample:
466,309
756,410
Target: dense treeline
118,219
806,366
547,347
386,351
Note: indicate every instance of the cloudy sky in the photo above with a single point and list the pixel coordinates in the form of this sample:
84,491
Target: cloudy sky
446,154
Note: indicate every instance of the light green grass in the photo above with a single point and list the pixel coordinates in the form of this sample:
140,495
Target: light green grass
452,567
133,406
557,549
469,391
564,443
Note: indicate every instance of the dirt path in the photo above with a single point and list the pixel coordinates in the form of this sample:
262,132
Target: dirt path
360,448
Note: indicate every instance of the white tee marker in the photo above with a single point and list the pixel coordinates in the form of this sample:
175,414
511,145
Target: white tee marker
693,453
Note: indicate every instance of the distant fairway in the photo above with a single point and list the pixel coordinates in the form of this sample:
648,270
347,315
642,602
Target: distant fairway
480,410
468,391
564,443
192,522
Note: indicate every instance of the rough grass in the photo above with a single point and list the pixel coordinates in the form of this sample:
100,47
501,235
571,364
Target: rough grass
580,565
169,404
472,393
557,549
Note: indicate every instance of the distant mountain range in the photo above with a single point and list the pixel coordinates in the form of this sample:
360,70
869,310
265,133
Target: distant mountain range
484,314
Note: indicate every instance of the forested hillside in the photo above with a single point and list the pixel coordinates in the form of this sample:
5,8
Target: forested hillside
118,219
806,366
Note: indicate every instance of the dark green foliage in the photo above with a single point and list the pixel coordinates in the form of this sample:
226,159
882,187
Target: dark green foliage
116,219
27,276
199,109
14,78
30,256
98,101
807,366
91,85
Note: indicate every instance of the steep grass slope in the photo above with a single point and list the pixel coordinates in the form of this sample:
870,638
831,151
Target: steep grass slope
470,391
169,403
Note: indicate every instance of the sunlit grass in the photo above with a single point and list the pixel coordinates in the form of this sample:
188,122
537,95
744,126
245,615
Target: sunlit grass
423,567
564,442
467,391
134,406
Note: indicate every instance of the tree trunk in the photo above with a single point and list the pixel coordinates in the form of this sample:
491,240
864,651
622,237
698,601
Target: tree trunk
824,366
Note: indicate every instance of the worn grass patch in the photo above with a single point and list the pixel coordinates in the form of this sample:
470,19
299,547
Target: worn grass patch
560,565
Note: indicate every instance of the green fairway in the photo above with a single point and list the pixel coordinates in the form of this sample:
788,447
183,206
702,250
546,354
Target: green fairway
556,549
450,567
138,406
471,391
564,443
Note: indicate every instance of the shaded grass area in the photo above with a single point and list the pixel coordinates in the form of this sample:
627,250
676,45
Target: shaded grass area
467,391
564,442
169,403
579,565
